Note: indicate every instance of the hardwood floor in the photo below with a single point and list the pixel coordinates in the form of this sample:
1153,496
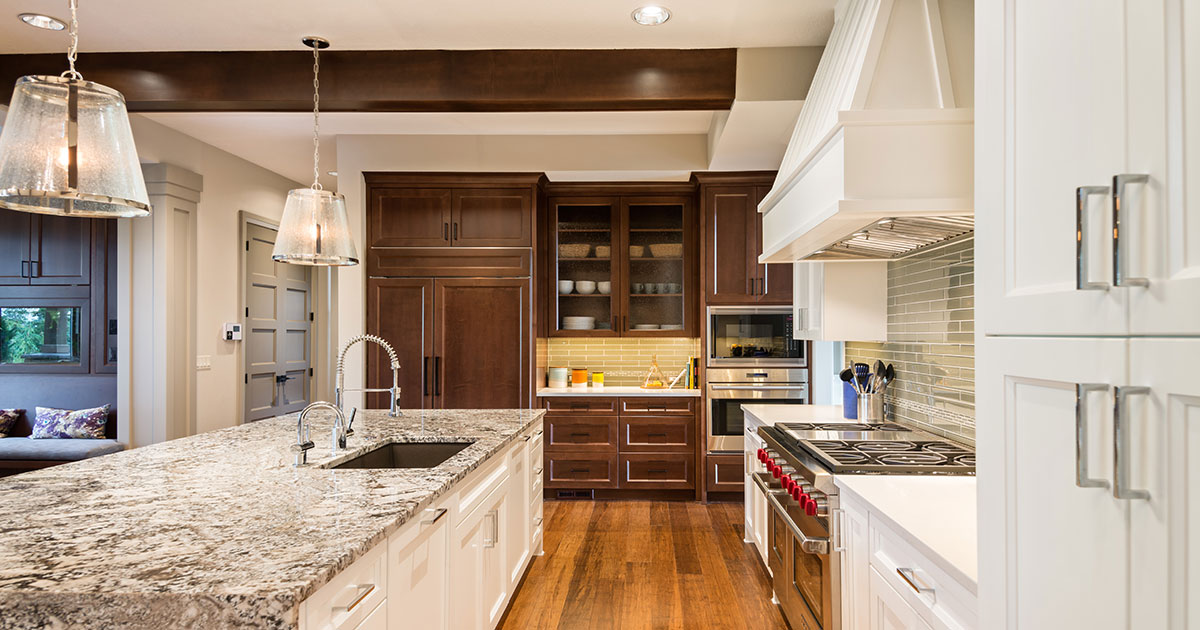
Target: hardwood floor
644,564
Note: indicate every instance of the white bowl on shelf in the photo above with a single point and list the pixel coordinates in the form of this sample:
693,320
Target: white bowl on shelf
565,287
605,287
585,287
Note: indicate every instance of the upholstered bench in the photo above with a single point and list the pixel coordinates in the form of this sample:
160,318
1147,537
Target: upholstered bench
20,453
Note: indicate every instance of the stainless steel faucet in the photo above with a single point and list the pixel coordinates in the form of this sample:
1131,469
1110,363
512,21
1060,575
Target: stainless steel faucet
337,440
394,390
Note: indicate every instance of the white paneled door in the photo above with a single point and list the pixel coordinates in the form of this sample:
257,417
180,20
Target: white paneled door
1053,530
1051,134
277,329
1162,424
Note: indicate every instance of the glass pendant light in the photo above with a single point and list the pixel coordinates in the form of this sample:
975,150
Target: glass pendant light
314,229
66,147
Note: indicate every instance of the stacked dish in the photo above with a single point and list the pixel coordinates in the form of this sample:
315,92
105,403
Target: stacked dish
579,323
645,326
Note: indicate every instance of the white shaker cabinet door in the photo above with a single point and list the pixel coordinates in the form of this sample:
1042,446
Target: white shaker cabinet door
1162,455
888,610
518,526
1050,132
1162,214
418,557
1057,539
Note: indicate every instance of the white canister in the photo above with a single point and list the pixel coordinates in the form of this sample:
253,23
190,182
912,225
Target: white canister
558,376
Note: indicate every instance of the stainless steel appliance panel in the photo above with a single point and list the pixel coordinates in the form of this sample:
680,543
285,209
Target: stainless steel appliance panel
729,388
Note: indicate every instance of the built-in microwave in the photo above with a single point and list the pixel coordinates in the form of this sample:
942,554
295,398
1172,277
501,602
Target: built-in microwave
753,336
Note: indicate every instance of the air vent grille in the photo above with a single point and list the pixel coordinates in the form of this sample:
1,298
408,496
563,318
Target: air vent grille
892,239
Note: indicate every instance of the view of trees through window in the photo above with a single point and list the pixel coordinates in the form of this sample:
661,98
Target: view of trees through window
39,335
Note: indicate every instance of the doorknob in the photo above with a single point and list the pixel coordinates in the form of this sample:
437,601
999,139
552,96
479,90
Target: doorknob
282,378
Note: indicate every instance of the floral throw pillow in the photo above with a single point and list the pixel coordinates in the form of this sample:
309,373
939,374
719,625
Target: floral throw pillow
64,423
8,417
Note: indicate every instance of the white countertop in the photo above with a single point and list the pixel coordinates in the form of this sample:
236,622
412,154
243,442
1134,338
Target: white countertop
766,414
613,390
936,513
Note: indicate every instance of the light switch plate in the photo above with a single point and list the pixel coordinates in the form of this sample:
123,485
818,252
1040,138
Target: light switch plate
203,362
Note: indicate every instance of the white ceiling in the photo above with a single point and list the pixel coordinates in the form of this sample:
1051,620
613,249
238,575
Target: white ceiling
161,25
282,142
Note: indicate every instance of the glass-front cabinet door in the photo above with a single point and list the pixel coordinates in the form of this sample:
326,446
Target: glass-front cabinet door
584,245
658,266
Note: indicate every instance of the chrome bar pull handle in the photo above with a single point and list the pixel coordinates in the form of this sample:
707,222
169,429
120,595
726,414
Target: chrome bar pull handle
1120,257
1121,488
1081,442
1081,228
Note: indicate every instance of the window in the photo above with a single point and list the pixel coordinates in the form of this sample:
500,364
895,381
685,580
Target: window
43,335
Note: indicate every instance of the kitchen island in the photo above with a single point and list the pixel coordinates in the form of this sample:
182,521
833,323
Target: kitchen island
219,530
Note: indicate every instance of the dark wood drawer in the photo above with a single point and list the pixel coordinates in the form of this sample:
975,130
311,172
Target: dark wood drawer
658,434
449,262
658,471
658,405
580,470
573,404
581,433
726,473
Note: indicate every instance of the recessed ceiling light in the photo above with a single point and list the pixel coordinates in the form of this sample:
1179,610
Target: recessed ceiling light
42,21
651,15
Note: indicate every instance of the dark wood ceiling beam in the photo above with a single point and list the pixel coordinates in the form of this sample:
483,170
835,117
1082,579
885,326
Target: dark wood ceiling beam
405,81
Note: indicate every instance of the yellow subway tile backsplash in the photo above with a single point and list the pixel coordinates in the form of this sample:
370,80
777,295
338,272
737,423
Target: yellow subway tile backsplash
623,361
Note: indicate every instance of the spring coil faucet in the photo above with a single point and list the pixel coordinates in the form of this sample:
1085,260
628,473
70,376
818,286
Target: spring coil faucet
394,390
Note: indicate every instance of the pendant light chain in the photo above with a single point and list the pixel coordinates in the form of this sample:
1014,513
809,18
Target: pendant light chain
73,48
316,185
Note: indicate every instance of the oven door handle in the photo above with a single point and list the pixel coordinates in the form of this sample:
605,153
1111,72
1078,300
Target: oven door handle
817,546
752,388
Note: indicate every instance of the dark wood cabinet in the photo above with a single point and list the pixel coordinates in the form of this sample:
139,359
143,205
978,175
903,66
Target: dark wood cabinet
725,472
625,443
41,250
733,242
410,217
481,343
450,267
639,240
400,310
462,343
501,217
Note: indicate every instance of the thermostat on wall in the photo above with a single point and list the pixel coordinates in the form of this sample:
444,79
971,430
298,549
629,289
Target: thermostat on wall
233,332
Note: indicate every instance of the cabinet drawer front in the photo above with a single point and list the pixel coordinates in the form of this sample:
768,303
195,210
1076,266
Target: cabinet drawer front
658,405
580,470
449,262
571,404
658,471
350,595
726,473
581,434
940,601
657,434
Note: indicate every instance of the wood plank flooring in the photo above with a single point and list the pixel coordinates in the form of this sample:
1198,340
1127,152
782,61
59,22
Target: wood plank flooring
644,564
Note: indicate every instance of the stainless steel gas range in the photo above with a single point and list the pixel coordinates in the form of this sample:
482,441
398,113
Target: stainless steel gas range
797,465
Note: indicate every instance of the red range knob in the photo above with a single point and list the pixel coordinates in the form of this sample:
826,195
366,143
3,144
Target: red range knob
762,455
802,498
776,470
811,508
795,492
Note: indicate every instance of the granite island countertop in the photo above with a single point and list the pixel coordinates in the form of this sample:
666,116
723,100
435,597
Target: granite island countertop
218,530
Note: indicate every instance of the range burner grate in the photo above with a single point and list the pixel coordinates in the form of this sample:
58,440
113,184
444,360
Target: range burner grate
891,456
856,427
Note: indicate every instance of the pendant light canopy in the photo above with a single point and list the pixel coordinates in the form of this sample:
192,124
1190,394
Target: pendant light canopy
66,147
315,229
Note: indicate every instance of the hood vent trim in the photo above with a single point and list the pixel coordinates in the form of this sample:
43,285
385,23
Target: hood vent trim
895,238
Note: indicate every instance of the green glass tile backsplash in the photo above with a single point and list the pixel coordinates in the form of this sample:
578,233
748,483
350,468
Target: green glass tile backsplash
931,341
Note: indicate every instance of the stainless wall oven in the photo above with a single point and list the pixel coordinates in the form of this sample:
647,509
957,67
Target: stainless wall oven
729,388
758,336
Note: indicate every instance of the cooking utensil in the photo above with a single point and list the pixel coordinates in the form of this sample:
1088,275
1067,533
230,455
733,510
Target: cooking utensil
888,374
877,377
847,376
861,372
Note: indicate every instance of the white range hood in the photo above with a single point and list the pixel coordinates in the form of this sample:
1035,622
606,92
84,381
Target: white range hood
880,163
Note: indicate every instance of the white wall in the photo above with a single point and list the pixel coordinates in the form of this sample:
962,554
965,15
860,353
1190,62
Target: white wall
231,184
562,158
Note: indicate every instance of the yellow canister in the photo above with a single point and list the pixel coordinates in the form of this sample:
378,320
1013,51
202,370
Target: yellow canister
597,379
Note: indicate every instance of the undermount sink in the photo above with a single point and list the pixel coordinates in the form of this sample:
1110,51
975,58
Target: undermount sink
406,455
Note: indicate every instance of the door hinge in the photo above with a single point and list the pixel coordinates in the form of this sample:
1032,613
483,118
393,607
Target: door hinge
246,378
247,311
310,317
310,372
247,245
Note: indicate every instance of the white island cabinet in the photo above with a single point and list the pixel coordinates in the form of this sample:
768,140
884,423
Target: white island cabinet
453,566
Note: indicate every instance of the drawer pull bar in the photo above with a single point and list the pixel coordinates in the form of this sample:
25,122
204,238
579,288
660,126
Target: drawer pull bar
656,435
537,471
1121,489
539,433
437,515
580,434
910,577
363,591
580,470
537,521
657,471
